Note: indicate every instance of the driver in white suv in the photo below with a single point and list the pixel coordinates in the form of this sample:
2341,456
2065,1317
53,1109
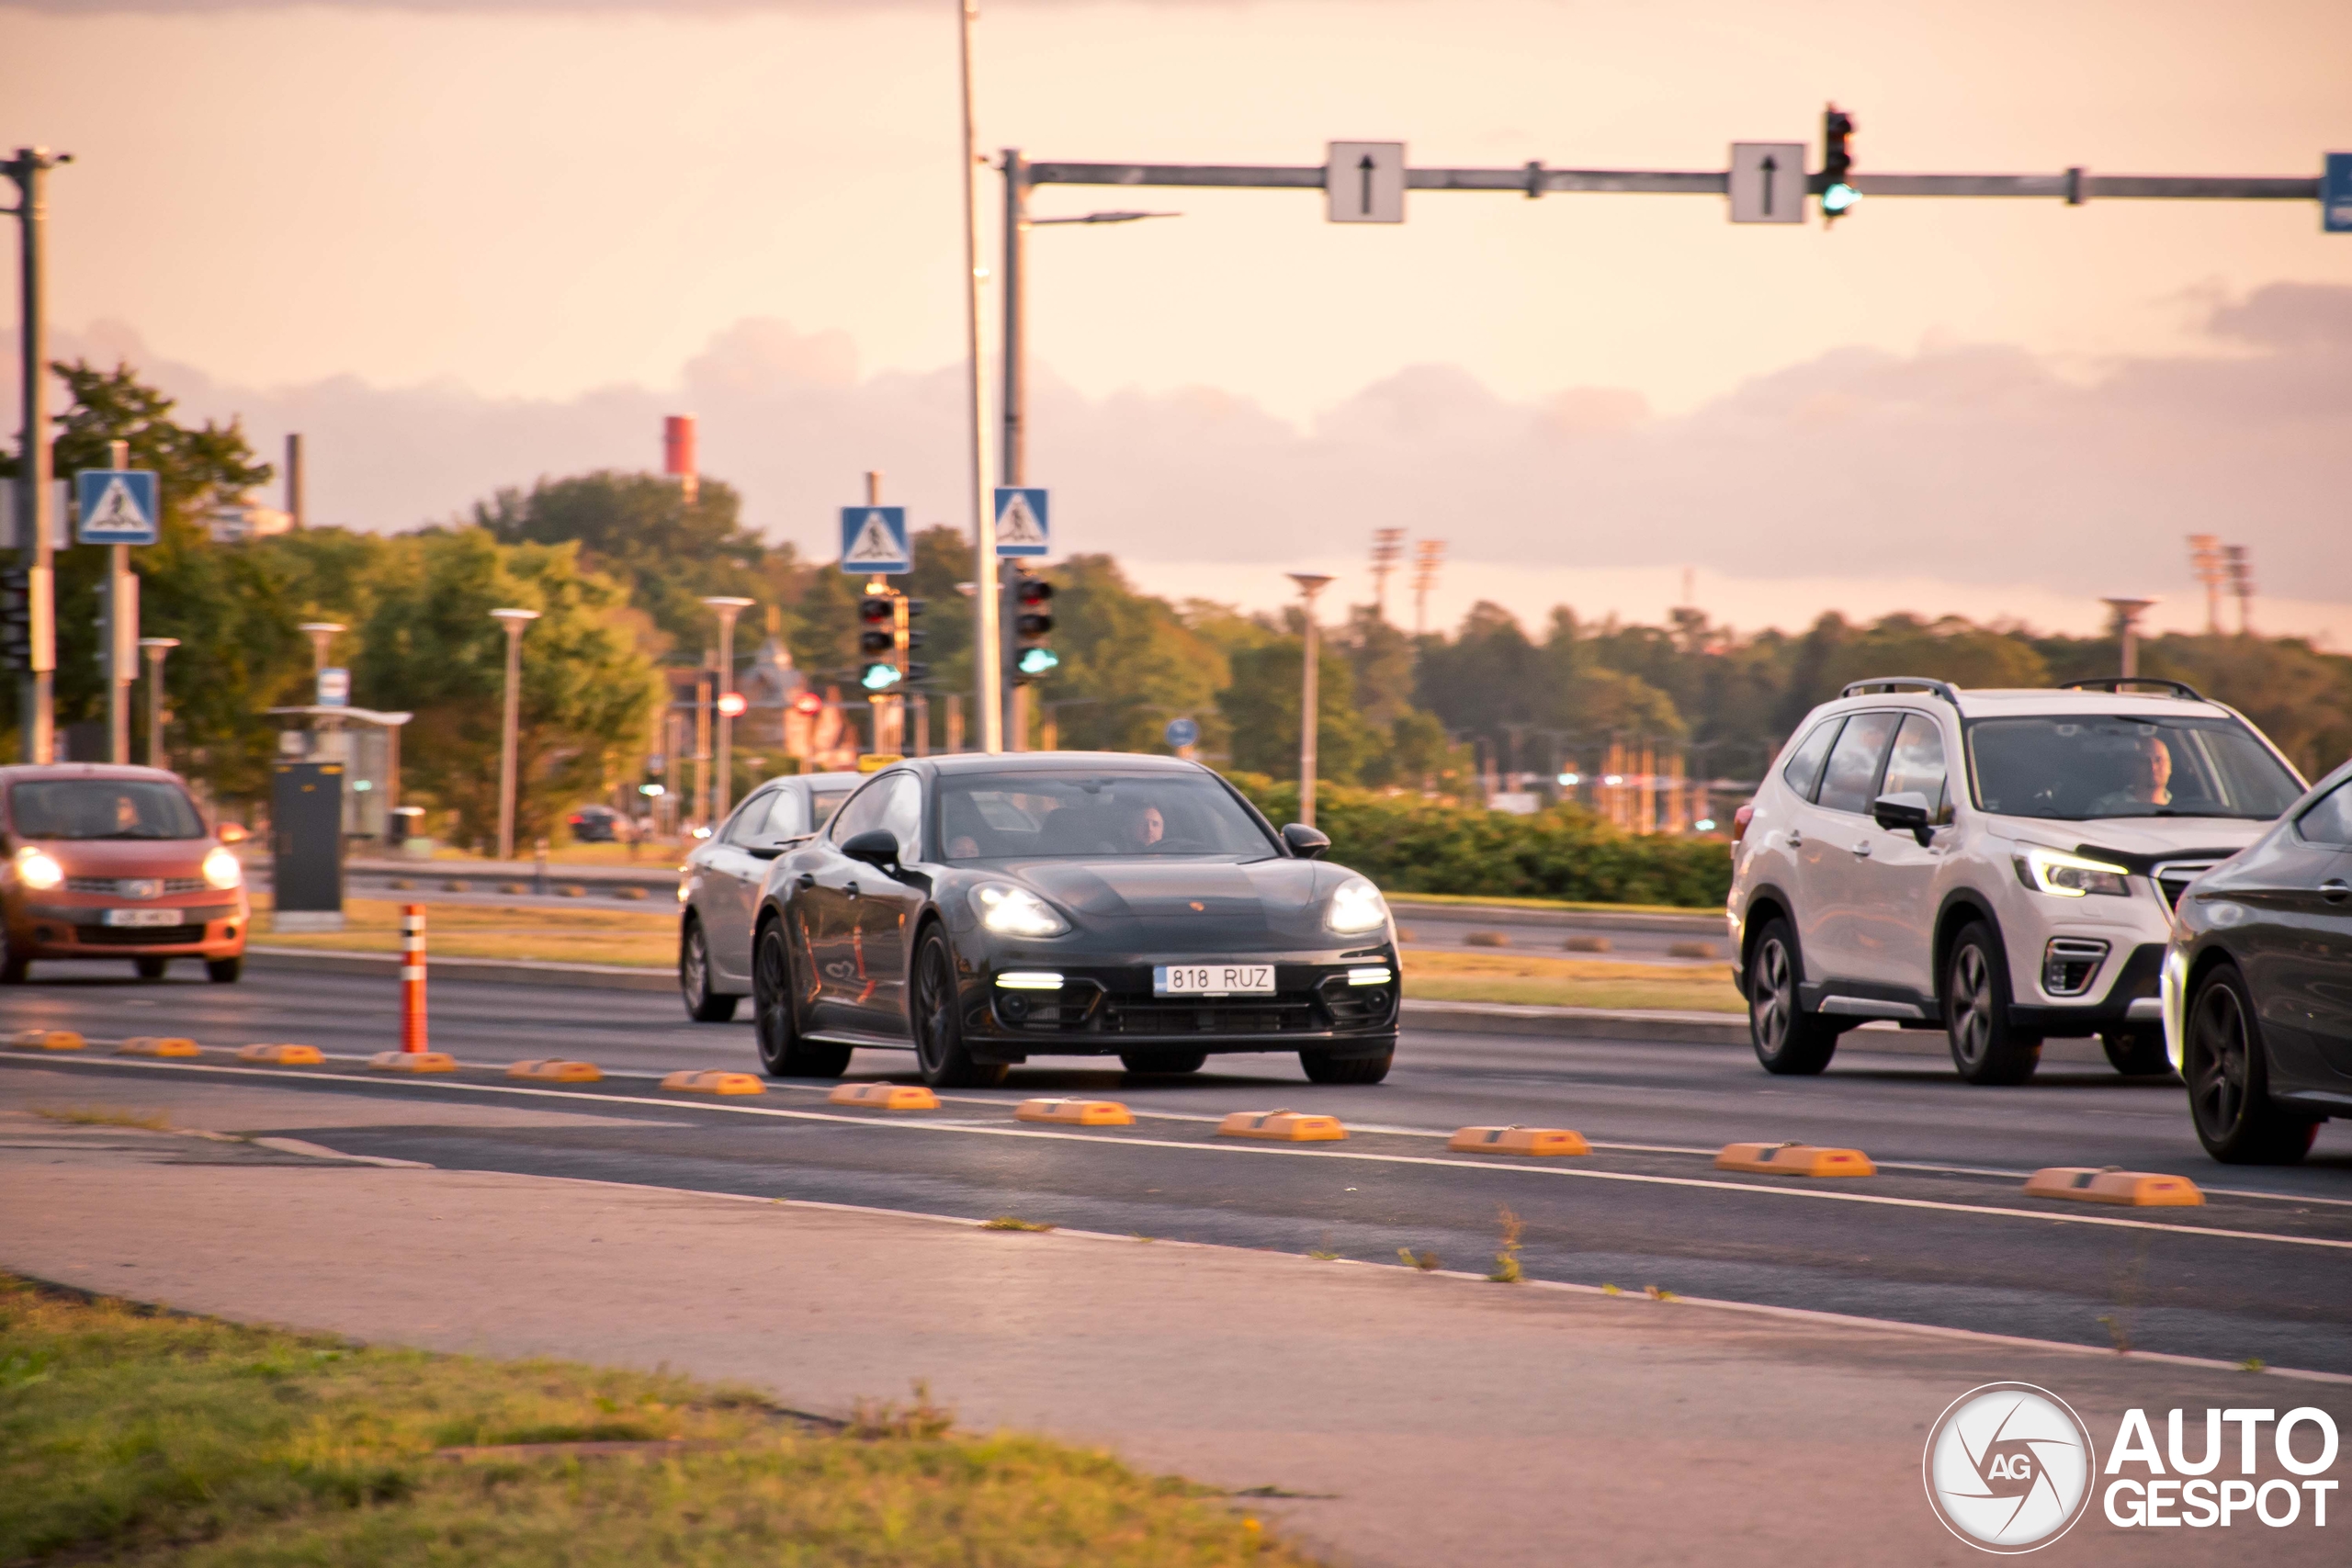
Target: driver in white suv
2001,864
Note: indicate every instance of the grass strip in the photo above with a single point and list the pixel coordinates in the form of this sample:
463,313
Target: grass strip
529,933
145,1438
1531,980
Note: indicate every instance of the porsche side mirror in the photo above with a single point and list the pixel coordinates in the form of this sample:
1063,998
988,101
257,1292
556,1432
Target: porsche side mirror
1306,843
875,847
1903,813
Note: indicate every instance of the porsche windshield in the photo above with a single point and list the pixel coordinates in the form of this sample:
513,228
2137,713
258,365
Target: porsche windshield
2074,768
102,809
1093,817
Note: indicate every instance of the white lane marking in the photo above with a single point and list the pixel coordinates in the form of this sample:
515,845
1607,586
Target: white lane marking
319,1151
1318,1151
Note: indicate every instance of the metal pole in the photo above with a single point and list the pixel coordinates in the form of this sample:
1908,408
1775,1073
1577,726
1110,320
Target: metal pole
156,647
1015,297
728,610
122,636
987,655
515,621
295,509
1309,698
37,693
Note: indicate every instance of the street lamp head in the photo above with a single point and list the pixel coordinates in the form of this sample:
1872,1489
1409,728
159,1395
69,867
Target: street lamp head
516,620
158,643
322,628
1310,583
723,603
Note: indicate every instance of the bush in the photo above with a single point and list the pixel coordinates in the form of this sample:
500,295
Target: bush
1409,844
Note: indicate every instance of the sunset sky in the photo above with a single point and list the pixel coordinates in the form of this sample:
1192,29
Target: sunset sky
462,244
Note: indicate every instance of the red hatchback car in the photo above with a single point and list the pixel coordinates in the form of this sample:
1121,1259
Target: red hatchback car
101,862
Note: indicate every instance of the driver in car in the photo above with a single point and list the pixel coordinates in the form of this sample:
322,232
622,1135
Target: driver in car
1141,828
2149,785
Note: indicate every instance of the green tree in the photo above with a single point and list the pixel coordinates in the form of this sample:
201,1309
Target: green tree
429,646
233,612
1129,664
641,530
1261,707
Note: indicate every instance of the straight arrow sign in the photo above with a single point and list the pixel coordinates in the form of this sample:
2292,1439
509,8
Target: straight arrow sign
1767,183
1364,182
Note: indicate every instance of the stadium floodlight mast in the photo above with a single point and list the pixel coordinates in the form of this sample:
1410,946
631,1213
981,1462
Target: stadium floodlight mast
515,621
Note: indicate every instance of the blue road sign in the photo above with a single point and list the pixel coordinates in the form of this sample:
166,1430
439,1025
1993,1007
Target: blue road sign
1183,732
2336,194
874,539
1021,524
334,687
118,506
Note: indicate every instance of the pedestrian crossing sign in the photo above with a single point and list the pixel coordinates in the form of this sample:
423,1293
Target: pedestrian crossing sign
117,506
874,540
1021,526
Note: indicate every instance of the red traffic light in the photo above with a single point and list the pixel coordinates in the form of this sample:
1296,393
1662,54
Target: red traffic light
877,609
731,704
807,703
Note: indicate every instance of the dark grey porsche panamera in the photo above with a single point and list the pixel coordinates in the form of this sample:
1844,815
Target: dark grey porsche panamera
982,910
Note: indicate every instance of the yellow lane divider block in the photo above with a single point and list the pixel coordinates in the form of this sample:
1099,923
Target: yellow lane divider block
547,1069
412,1062
49,1040
154,1045
714,1083
1794,1159
1518,1141
284,1056
1283,1126
2138,1189
885,1096
1076,1112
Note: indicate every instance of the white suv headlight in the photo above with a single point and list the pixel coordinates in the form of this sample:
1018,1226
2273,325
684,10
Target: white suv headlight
2063,876
221,870
1015,911
1357,907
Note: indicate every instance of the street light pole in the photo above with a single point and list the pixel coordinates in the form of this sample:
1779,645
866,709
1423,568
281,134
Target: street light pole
515,621
156,647
38,695
2126,625
727,608
988,651
1310,714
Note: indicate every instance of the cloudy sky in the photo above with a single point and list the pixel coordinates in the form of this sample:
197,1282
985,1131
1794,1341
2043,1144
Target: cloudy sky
461,245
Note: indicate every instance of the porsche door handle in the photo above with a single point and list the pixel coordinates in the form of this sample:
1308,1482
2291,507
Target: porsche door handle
2335,890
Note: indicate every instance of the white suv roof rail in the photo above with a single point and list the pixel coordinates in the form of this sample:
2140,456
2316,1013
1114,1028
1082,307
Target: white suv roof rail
1943,689
2116,683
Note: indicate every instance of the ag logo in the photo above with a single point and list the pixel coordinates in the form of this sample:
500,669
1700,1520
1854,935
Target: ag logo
2008,1467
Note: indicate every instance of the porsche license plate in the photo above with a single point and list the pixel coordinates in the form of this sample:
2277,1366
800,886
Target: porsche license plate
1213,980
143,917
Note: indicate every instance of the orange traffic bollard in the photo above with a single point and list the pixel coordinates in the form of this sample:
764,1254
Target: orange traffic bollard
413,977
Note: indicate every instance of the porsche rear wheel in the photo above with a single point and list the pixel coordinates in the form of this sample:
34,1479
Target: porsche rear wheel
939,1025
703,1004
783,1053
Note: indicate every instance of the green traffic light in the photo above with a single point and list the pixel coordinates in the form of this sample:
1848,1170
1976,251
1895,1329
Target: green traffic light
1840,197
880,677
1037,661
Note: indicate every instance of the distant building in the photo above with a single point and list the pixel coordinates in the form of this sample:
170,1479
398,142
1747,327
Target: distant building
234,521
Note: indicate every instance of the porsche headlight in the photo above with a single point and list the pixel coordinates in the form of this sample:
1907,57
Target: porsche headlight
1356,907
37,870
2071,877
1015,911
221,870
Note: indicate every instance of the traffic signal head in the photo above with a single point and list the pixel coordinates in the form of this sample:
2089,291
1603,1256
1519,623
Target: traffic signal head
1035,596
1838,193
879,676
17,619
1036,661
878,615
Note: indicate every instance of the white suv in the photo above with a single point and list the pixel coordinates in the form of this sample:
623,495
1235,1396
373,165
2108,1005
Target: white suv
2001,864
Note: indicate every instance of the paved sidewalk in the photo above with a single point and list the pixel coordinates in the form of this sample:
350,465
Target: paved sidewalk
1428,1420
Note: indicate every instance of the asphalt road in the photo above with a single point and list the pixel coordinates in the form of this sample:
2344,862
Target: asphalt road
1943,1234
